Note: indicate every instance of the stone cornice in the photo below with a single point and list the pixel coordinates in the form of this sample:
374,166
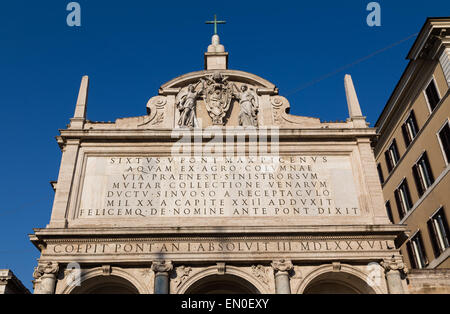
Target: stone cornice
429,28
349,229
363,232
170,135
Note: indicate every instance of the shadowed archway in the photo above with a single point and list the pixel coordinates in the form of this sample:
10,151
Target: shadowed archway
338,283
106,285
222,284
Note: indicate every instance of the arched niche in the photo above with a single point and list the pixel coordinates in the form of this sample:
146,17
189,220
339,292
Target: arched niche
235,280
106,285
94,281
224,284
345,280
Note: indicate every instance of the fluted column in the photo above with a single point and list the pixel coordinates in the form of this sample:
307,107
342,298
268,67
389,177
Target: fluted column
162,269
393,268
282,282
45,278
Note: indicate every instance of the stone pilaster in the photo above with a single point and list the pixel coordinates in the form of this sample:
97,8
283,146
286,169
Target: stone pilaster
393,269
162,269
282,282
64,185
45,278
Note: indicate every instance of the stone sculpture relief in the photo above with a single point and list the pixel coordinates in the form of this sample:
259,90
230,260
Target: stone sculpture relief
218,96
281,116
186,104
261,273
182,275
248,101
155,108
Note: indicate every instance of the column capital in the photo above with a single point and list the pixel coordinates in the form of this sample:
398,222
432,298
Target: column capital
45,277
394,264
282,265
47,268
162,266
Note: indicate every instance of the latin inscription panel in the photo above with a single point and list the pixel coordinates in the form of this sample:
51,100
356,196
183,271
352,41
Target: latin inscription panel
151,187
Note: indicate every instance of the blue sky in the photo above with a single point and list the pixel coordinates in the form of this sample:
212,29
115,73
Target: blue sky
130,48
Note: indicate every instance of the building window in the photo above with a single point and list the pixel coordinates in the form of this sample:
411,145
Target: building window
403,199
410,129
380,173
422,174
392,156
438,228
444,139
416,252
432,95
389,211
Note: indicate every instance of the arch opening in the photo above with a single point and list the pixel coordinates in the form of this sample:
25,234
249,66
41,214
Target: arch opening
338,283
222,284
106,285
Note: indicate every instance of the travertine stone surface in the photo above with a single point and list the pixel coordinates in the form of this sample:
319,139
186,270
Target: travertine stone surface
166,207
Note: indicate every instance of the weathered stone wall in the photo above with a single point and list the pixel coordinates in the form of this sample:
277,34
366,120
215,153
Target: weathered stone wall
429,281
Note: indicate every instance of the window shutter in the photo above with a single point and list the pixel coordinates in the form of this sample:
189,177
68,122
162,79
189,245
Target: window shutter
396,153
445,140
445,223
430,172
405,135
408,195
433,236
388,161
399,205
413,117
412,256
419,183
422,249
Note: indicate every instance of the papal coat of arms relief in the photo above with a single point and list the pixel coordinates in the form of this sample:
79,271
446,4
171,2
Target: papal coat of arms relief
217,93
218,96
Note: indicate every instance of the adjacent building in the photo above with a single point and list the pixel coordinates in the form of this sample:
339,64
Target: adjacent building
413,152
10,284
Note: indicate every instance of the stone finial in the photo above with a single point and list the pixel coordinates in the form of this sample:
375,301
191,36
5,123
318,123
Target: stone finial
282,265
79,118
354,108
216,58
162,266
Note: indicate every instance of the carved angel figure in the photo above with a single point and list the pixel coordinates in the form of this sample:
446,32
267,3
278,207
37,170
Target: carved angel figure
186,104
248,101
